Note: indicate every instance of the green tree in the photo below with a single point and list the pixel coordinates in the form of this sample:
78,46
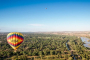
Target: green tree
40,54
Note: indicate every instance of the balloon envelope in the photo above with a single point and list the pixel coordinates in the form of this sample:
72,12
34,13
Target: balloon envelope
14,39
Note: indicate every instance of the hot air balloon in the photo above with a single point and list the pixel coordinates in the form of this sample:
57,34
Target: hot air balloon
15,39
45,8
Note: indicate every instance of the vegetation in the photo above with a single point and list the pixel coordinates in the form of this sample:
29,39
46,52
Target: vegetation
45,47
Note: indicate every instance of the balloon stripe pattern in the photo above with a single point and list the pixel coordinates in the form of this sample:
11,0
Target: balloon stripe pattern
15,39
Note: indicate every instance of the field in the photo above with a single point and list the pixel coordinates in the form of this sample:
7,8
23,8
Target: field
41,46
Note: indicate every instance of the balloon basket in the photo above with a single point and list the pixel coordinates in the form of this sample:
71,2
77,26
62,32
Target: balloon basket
15,51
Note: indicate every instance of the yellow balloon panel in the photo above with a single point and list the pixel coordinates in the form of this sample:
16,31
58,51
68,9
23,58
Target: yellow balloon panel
15,48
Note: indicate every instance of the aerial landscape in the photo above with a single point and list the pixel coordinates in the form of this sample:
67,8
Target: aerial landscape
44,30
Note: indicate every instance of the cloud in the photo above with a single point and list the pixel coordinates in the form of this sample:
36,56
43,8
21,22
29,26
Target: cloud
36,24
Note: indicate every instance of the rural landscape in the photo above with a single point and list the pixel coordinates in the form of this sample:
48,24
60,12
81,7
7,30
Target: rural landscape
47,46
44,29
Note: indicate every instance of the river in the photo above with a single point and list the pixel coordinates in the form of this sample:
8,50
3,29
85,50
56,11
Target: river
69,50
86,42
83,40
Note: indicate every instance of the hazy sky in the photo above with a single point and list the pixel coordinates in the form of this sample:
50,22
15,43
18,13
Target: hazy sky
32,15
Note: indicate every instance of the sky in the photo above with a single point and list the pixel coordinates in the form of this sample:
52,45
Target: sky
32,15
